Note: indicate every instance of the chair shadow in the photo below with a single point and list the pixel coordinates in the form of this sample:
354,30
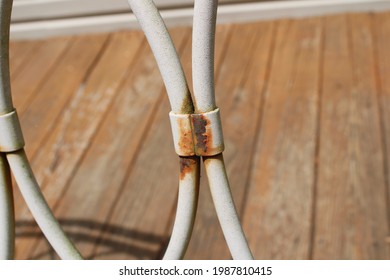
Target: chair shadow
116,240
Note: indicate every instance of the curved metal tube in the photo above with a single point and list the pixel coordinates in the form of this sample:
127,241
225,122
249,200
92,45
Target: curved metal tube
205,13
186,208
17,160
39,208
165,53
5,87
224,206
181,102
203,38
7,214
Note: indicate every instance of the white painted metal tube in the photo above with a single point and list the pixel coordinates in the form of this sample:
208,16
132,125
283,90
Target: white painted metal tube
181,103
224,206
5,88
186,208
7,214
39,208
203,37
203,41
165,53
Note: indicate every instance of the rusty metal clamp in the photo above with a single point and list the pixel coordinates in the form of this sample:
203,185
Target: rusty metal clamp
197,134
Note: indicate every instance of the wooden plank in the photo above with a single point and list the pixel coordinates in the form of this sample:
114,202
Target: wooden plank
49,99
278,213
44,59
381,24
98,182
351,219
57,160
239,93
20,53
64,81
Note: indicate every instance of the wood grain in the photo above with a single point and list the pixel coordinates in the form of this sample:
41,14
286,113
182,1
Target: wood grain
19,54
77,125
278,210
350,221
47,104
38,68
381,30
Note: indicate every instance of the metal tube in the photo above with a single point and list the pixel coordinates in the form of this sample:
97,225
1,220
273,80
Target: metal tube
38,206
20,166
7,214
181,103
224,206
186,208
205,14
165,53
203,37
5,88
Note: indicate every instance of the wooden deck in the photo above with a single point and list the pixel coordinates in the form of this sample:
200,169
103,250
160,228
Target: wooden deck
306,113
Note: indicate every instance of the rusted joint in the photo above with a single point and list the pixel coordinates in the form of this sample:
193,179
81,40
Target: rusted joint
188,165
197,134
11,136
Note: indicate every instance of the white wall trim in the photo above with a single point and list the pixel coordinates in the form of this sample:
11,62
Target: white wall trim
226,13
28,10
24,10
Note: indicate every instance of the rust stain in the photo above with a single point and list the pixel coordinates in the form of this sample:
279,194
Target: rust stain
203,136
186,141
188,106
187,165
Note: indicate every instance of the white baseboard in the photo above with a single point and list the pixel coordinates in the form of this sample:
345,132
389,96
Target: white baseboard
24,10
29,10
176,17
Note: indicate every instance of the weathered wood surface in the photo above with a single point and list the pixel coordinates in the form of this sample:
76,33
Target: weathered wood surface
37,69
380,25
86,106
351,220
305,108
278,210
20,53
